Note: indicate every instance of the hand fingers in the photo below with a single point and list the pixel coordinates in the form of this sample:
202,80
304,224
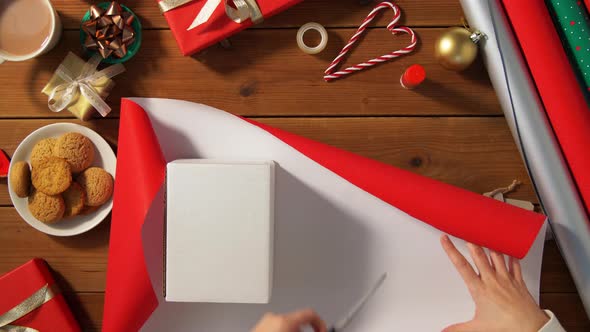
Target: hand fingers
515,269
499,264
480,259
269,319
306,317
461,264
461,327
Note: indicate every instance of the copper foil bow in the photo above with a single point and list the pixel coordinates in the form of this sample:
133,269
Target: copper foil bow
109,31
237,10
65,94
33,302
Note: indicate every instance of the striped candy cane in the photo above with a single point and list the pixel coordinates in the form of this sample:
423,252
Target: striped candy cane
330,73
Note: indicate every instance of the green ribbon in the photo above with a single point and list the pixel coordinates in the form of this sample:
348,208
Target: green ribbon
33,302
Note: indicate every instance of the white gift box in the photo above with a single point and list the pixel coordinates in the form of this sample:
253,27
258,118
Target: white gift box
219,231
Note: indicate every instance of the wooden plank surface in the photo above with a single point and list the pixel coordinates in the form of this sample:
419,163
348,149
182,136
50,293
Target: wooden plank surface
236,80
449,129
454,150
331,13
79,262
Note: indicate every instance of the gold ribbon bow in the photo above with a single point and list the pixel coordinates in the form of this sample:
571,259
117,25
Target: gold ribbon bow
239,12
39,298
64,94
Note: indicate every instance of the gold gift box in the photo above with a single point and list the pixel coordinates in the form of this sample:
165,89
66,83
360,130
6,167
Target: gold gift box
79,106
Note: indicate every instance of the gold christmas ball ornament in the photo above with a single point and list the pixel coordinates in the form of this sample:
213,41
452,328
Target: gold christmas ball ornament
456,48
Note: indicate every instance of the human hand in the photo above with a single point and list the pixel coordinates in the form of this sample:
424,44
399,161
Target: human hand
292,322
502,300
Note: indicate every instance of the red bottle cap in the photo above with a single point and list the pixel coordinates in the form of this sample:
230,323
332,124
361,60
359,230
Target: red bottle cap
413,76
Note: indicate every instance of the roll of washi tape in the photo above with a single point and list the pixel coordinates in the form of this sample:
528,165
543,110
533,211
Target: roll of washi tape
413,76
323,38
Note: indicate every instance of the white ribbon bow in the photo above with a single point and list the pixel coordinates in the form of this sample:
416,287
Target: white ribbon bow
239,12
64,94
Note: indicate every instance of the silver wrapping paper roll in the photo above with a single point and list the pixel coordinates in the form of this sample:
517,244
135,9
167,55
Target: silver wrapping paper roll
535,139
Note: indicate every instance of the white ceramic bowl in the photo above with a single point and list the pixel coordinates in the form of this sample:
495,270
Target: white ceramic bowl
104,157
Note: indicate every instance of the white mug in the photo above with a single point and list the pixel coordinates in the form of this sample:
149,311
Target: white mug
54,36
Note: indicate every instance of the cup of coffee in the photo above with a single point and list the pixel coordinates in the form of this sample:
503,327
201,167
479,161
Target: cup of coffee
28,28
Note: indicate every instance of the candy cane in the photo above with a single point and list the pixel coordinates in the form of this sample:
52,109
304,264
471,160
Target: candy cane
331,75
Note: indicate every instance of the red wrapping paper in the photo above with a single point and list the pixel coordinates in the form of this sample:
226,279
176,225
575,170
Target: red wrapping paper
4,164
130,298
554,77
450,209
217,28
20,283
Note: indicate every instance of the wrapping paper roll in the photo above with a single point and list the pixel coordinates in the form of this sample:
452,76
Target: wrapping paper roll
534,136
564,103
571,21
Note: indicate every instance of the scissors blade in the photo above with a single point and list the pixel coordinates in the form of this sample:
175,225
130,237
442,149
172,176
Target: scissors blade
344,321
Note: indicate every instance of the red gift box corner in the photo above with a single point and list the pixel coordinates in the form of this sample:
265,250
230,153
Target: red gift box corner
20,283
218,27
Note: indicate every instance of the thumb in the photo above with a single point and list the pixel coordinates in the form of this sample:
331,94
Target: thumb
461,327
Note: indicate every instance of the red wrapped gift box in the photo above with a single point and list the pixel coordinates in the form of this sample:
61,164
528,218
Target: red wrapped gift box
218,27
25,283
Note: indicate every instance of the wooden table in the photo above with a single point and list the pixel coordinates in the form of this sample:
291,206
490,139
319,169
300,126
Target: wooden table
451,129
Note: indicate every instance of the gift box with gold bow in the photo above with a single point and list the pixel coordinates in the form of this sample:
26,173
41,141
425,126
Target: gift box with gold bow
197,24
31,301
80,87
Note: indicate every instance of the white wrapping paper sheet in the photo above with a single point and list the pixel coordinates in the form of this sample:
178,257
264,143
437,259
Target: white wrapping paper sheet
332,239
533,134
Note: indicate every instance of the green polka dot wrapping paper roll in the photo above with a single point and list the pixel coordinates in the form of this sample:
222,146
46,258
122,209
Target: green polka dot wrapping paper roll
573,25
